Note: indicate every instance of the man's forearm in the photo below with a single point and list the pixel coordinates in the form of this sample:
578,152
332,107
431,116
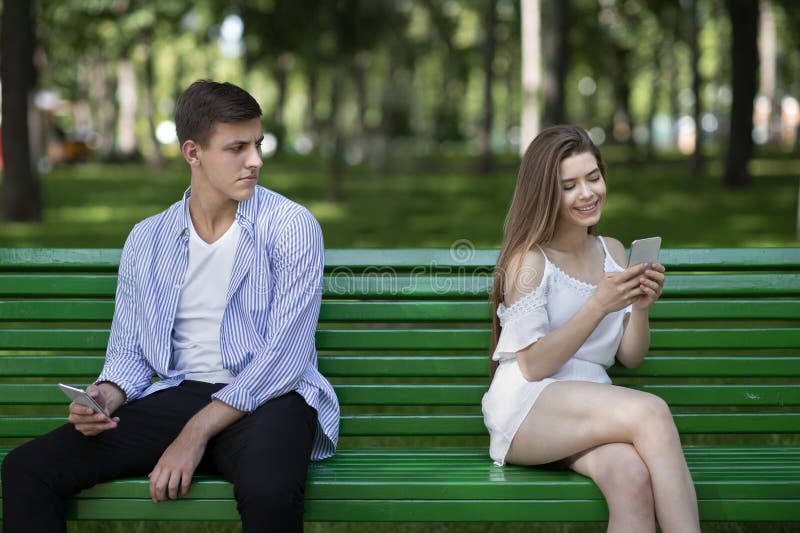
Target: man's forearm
210,420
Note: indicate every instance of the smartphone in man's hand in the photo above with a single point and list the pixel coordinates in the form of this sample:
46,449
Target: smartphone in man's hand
82,397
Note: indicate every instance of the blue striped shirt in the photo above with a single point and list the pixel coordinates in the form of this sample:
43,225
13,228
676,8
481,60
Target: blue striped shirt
267,329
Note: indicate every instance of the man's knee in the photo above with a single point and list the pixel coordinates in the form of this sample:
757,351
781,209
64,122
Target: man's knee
271,492
20,468
270,503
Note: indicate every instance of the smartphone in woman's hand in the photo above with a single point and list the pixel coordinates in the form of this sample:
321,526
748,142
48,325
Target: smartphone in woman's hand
644,251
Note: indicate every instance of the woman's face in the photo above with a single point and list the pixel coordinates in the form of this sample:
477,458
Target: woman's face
583,190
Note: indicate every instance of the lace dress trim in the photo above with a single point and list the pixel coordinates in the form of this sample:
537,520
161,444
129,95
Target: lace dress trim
584,288
535,299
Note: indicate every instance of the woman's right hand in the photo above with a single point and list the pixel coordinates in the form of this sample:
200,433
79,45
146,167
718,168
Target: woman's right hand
617,290
90,423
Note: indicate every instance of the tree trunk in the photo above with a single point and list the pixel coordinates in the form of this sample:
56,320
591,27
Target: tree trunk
333,193
103,110
360,69
621,127
556,50
156,158
485,148
697,161
310,122
744,53
282,66
767,51
531,72
655,85
673,87
21,189
126,100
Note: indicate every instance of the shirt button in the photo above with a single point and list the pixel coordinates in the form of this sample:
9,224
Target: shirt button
177,285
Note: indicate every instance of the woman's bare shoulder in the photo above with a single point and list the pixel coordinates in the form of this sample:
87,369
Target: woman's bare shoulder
525,273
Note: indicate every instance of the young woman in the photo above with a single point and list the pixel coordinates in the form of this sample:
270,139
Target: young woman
565,308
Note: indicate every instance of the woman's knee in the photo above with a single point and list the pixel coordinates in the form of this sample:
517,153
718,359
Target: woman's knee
624,477
649,416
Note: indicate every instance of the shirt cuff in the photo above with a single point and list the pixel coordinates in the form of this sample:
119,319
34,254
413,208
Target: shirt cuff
131,390
237,397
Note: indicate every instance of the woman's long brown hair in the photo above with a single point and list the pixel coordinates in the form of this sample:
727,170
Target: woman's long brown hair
531,219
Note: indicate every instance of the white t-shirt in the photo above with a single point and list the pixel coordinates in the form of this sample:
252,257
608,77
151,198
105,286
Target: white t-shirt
195,335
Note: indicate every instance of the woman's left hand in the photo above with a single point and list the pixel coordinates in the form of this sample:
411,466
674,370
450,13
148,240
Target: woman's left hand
651,283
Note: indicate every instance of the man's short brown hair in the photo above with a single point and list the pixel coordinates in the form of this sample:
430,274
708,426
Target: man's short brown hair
205,103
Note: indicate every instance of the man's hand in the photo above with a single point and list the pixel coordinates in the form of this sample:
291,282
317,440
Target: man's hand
172,475
173,472
110,397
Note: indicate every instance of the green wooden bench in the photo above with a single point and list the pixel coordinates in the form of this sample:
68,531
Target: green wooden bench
403,336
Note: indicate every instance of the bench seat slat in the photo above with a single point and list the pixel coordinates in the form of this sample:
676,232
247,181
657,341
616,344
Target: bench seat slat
423,510
405,475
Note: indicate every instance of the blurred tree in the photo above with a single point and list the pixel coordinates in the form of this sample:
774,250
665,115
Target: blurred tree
744,56
21,189
281,36
455,69
489,47
114,51
767,52
623,25
556,50
697,165
336,39
358,26
531,72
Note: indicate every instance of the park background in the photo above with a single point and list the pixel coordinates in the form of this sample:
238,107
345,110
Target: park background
399,123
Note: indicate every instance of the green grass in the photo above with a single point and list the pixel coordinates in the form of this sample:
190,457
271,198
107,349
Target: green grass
423,204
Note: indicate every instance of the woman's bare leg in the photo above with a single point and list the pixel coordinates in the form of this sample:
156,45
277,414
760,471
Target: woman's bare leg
570,417
625,482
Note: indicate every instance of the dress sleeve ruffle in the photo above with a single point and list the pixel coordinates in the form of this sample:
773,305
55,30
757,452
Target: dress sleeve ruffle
522,324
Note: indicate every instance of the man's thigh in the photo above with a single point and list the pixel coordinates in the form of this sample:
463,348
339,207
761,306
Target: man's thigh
146,427
274,440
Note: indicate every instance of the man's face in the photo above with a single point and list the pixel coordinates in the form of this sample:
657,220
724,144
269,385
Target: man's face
229,164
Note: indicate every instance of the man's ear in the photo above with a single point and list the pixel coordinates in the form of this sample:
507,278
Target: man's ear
190,150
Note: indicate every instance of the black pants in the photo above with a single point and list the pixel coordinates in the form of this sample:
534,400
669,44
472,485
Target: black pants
264,454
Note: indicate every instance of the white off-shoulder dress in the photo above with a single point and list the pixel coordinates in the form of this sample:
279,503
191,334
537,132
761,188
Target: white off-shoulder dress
557,298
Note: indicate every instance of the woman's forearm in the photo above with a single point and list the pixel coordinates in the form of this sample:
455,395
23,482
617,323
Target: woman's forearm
636,339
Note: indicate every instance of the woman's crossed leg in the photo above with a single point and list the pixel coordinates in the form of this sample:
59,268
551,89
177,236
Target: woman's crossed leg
595,427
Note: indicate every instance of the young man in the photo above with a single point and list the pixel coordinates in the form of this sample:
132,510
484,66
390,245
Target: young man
219,297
